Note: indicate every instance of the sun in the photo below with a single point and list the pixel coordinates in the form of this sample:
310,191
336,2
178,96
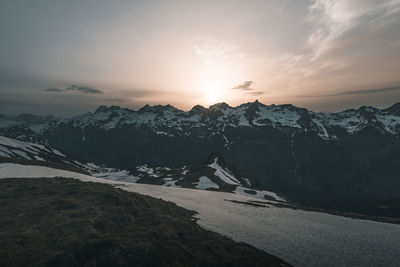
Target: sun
214,88
213,92
213,96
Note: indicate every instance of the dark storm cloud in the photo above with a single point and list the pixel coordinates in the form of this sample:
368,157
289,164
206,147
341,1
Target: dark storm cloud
355,92
245,86
82,89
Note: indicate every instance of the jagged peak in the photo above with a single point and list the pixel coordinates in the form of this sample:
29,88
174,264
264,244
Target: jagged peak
101,108
368,109
198,109
290,107
252,108
107,109
367,112
395,109
156,108
221,105
256,103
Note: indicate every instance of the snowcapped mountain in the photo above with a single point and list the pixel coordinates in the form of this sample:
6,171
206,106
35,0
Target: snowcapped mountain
167,120
323,159
172,122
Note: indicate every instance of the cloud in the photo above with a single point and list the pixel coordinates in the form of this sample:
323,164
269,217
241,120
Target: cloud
245,86
349,43
355,92
57,90
256,93
216,54
82,89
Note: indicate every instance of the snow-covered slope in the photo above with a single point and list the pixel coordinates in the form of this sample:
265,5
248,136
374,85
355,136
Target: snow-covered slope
12,170
285,232
11,148
213,177
216,177
15,149
223,174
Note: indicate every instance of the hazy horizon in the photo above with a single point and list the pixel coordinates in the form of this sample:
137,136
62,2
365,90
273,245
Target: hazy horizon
66,58
92,110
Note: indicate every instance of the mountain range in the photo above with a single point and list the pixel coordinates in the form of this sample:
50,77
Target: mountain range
347,161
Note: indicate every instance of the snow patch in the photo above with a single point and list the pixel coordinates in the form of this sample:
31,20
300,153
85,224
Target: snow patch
258,194
223,174
20,153
205,183
116,175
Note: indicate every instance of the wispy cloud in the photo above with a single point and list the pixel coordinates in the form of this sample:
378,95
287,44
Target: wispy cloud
256,93
333,18
82,89
215,53
56,90
354,92
245,86
349,43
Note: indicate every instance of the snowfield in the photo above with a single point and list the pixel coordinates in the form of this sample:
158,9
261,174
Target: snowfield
11,170
302,238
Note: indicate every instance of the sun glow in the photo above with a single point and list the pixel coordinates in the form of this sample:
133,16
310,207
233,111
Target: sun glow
213,92
216,90
213,96
220,70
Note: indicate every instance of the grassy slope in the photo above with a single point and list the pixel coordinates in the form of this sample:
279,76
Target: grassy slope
66,222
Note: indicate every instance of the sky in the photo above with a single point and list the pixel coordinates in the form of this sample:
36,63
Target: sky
68,57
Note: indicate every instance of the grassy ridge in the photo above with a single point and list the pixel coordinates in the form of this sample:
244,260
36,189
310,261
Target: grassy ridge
65,222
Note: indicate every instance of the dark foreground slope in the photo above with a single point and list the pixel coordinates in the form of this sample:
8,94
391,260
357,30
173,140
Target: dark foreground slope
65,222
